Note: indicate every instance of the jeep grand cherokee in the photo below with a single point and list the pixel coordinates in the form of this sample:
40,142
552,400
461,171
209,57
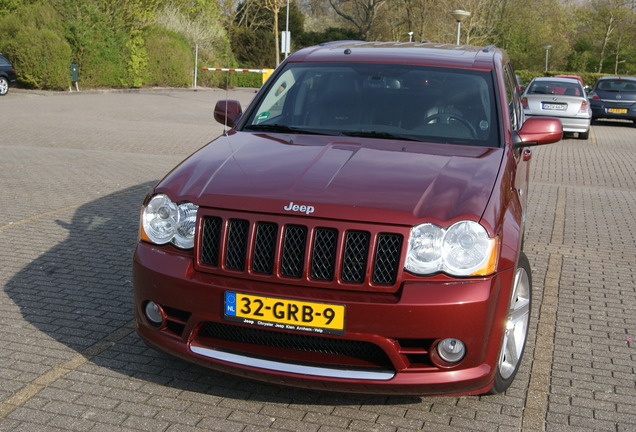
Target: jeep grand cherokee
358,228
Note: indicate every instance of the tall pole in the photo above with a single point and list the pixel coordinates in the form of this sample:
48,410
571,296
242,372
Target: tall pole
547,49
287,42
196,65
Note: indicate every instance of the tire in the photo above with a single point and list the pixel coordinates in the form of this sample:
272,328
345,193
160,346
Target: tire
584,135
514,340
4,86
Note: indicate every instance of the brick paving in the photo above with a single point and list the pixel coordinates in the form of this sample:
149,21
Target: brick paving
74,169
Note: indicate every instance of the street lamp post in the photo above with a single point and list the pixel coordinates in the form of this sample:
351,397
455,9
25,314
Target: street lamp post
459,15
410,36
287,35
547,48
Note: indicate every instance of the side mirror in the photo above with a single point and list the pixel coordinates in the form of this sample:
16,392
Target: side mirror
228,112
538,131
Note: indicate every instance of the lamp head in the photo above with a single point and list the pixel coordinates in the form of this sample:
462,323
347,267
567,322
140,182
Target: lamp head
460,15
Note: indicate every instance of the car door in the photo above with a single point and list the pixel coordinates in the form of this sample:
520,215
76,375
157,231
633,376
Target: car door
522,156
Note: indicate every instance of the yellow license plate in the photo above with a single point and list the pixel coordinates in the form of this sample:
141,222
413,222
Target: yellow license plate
618,110
285,314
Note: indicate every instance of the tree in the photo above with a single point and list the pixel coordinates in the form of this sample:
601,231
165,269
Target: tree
8,6
255,30
274,6
135,15
360,13
607,19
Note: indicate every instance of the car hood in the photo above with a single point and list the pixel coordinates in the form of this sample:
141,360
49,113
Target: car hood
372,180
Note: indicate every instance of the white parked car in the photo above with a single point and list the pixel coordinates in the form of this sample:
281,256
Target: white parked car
563,98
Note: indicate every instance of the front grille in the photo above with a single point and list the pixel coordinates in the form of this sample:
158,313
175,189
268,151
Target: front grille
297,252
330,350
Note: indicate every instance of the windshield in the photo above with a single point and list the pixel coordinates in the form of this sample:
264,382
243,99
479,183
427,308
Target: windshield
389,101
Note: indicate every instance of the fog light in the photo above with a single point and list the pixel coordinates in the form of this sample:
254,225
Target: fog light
154,314
451,350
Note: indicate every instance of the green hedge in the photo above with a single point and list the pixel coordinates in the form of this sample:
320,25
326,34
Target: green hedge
33,39
246,79
170,59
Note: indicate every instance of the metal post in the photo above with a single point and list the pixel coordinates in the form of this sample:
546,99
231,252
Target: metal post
196,63
288,43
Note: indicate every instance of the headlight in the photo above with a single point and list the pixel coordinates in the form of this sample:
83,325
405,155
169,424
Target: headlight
463,249
163,221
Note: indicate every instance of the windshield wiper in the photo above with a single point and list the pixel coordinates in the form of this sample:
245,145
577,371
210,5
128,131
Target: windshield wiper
281,128
375,134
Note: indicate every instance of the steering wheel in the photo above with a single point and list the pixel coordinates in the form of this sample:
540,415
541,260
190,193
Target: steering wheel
447,117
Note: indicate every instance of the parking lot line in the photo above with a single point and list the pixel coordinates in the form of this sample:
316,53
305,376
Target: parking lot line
32,389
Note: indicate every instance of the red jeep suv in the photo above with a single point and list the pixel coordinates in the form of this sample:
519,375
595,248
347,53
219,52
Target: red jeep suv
358,228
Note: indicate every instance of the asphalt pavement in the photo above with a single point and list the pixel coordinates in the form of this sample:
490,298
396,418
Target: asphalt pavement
74,169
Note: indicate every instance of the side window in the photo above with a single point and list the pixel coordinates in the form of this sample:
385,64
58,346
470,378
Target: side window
273,104
514,103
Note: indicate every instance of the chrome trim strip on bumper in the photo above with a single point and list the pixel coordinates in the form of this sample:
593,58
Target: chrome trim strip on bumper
291,368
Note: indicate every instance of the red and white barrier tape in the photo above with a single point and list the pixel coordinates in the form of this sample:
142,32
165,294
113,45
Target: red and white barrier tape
235,70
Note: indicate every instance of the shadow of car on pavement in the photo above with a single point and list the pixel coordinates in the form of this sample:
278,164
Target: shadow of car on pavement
79,293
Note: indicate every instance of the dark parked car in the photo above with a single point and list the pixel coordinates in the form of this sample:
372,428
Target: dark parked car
8,76
358,229
614,98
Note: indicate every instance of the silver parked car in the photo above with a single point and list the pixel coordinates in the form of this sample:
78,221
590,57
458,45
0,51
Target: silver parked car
563,98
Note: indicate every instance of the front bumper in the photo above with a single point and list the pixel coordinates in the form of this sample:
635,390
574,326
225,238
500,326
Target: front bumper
388,346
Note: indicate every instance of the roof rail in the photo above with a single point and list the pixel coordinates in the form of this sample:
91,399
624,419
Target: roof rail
337,42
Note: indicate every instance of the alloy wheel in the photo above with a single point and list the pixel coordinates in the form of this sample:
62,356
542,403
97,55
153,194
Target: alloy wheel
516,331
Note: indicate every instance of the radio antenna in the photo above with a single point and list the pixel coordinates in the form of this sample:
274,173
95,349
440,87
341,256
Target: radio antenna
227,95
